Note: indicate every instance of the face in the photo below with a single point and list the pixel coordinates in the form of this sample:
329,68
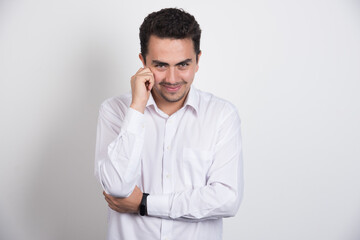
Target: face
173,63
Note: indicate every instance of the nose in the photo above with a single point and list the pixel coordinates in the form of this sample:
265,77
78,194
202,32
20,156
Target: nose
171,75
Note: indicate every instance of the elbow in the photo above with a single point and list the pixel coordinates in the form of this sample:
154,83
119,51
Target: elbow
114,186
118,191
231,209
232,205
234,200
234,209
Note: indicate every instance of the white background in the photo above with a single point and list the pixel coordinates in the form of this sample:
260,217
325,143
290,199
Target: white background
291,67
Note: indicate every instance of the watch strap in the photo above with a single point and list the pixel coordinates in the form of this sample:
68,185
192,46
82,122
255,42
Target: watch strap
143,204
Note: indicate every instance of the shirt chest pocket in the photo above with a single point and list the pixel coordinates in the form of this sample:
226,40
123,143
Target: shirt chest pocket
196,164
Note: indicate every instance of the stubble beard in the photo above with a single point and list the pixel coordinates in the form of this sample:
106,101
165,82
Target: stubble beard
173,97
172,100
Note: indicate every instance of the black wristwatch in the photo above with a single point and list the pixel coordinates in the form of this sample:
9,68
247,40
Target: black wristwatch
143,205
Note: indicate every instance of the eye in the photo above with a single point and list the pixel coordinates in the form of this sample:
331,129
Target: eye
160,66
183,65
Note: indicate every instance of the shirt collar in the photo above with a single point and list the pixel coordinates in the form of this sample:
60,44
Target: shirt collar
191,100
151,101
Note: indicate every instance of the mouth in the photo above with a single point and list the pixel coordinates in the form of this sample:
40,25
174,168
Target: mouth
172,88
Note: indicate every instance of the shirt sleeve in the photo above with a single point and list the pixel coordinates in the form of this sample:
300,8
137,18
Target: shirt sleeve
222,194
120,138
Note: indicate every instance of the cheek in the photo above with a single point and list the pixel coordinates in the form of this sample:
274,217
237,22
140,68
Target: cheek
187,75
159,76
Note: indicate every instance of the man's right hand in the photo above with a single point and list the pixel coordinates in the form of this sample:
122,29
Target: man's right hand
141,85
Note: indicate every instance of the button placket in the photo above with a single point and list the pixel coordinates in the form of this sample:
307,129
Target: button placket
167,158
168,184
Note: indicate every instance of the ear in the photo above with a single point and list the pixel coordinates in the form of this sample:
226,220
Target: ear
198,59
142,59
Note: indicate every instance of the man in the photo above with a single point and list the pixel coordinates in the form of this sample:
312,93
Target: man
168,156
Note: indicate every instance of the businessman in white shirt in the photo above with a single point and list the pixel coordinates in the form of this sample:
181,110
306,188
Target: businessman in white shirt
169,156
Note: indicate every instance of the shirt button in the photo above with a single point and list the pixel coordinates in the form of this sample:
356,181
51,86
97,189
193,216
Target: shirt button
168,148
168,175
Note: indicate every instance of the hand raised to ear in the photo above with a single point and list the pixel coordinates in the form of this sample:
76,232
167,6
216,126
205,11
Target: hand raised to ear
141,85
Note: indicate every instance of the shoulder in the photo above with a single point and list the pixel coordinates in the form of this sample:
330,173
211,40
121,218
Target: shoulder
219,113
117,105
211,104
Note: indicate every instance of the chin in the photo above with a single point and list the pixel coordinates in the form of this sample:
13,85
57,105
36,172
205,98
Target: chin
173,97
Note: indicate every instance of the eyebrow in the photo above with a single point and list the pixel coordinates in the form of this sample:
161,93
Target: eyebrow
157,62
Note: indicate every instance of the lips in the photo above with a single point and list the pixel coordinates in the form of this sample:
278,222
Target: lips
172,88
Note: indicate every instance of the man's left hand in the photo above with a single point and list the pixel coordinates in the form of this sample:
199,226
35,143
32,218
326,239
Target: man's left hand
125,205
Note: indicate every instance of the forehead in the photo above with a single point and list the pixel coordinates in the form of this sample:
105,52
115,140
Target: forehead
170,50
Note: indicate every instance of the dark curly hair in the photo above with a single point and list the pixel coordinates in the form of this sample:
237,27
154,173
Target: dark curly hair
170,23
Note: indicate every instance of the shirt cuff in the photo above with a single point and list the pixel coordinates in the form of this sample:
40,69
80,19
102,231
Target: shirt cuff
158,205
134,121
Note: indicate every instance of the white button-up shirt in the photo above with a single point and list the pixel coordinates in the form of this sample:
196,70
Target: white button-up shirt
190,163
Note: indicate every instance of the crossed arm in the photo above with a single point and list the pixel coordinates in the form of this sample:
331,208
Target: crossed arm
125,205
118,174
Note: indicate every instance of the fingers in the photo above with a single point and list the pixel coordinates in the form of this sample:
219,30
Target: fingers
143,70
113,207
143,75
146,69
138,71
108,198
124,205
151,84
141,84
148,78
111,202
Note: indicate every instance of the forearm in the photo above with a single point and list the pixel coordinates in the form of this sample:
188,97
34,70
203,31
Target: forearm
219,198
118,162
209,202
117,179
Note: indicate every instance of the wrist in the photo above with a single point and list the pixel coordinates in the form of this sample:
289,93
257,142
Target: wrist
143,205
138,107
